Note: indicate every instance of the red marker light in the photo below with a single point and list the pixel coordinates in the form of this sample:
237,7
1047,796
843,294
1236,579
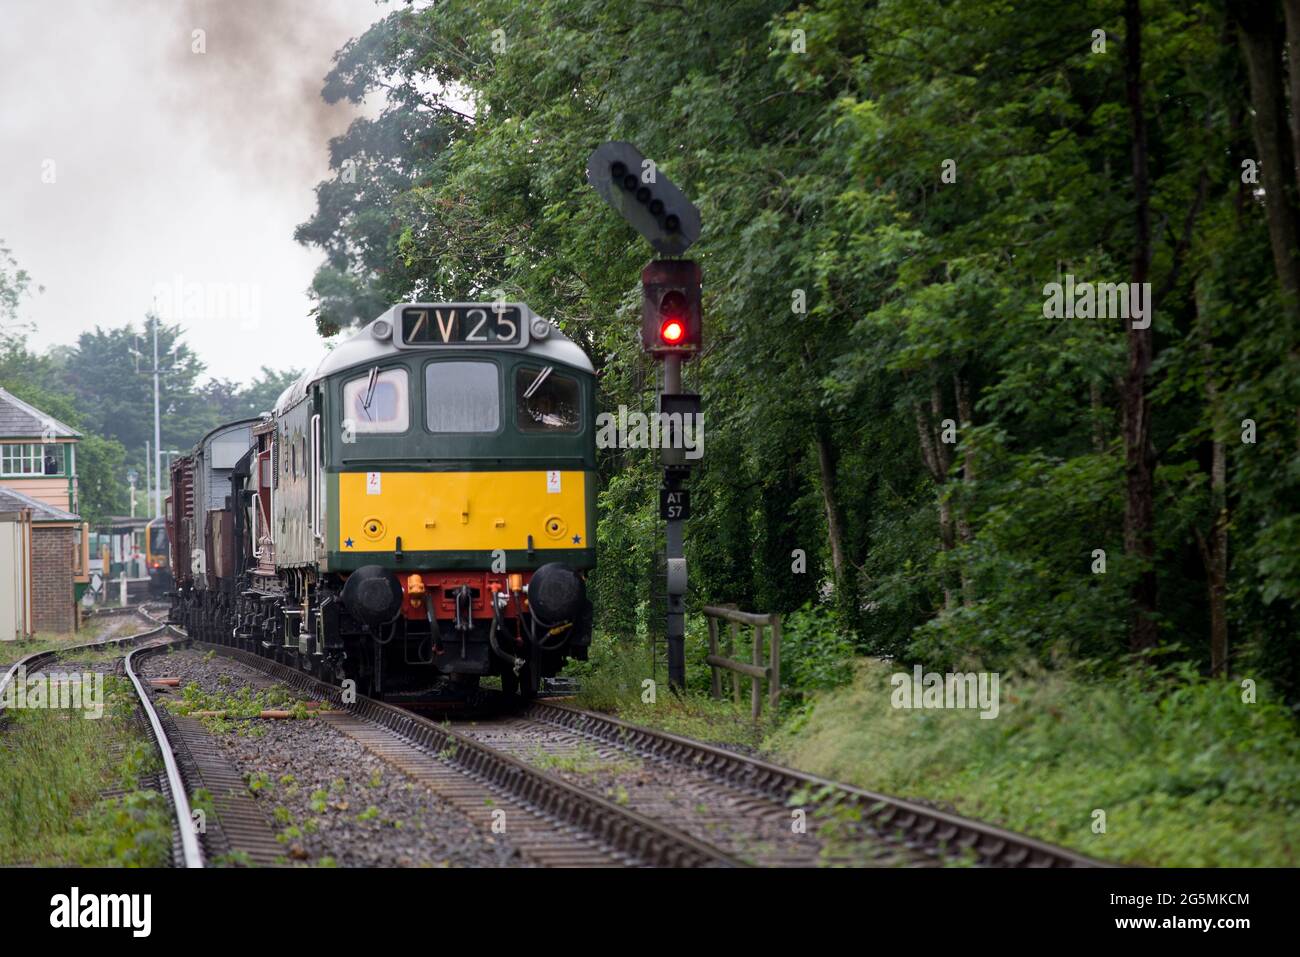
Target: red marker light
675,310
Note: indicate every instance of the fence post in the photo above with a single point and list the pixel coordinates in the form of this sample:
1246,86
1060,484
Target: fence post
124,602
713,650
733,636
774,685
756,684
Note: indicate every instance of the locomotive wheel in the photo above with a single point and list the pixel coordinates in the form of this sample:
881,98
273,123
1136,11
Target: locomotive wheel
510,683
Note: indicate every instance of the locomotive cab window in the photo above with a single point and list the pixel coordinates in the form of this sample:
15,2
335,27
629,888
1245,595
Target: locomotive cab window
462,396
377,401
546,401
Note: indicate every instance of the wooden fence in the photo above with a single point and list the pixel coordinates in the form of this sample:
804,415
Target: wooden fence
755,668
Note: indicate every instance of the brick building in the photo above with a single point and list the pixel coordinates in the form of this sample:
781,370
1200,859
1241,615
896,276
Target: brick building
42,540
44,596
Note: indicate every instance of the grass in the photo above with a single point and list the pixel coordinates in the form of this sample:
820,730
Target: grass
1156,767
614,680
238,709
92,630
54,767
1184,772
584,760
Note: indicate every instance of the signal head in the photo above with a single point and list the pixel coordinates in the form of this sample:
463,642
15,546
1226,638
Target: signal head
670,308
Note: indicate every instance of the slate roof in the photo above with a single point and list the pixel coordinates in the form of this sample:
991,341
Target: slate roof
18,420
12,501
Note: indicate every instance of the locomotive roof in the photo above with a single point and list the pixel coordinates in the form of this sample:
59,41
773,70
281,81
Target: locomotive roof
373,342
225,426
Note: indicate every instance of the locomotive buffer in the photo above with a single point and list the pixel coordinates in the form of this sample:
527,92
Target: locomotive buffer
671,333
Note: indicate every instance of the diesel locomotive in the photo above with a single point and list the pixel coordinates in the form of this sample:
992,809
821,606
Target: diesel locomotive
415,513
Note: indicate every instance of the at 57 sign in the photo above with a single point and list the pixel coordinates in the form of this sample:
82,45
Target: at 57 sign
674,504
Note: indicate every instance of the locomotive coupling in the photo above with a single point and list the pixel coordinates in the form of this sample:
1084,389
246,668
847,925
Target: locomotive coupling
372,595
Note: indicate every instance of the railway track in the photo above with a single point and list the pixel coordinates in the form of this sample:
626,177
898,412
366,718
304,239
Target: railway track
114,611
578,788
763,791
685,803
186,851
552,821
188,854
37,660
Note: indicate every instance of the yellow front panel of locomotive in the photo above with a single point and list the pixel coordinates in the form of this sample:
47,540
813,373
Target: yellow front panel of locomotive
461,511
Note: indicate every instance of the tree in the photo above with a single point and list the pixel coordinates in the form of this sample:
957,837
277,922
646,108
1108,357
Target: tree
261,393
886,205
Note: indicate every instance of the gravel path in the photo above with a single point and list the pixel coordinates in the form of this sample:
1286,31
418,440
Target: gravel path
329,800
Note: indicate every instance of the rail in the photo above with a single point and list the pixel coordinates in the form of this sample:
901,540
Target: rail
638,837
190,854
939,833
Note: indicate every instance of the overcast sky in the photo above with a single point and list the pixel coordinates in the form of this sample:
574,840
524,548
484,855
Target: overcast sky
171,169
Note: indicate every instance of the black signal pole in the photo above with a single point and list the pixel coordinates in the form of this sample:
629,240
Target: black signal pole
674,551
671,331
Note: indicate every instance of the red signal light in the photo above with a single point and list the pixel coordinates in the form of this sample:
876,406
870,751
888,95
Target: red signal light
675,311
670,308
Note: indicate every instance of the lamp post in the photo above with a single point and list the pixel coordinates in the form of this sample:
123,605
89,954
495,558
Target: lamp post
171,454
157,428
153,320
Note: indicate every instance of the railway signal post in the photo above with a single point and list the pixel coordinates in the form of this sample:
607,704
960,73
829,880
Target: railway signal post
671,332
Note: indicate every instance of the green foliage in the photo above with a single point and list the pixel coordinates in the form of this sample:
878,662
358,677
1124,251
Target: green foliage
1186,772
110,376
614,679
815,652
819,171
134,830
101,467
54,768
223,712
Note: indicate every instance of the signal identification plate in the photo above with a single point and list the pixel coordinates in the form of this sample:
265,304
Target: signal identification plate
675,504
463,324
